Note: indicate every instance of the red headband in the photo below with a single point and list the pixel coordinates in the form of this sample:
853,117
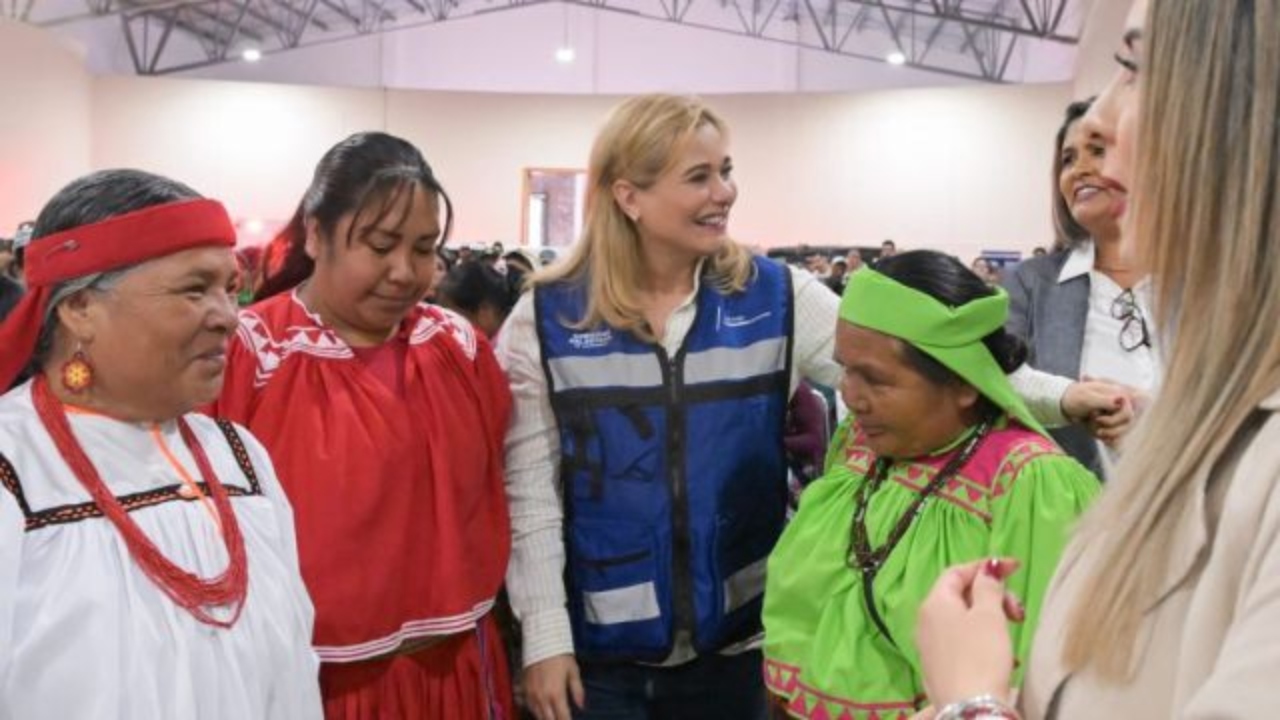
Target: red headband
112,244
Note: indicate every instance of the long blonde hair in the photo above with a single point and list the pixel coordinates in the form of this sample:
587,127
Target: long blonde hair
1207,219
639,142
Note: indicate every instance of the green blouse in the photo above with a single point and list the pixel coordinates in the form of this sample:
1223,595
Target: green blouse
1017,496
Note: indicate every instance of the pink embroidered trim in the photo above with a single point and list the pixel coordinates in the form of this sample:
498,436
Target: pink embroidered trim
809,704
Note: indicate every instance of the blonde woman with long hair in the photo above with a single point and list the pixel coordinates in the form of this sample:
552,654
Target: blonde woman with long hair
1168,604
651,372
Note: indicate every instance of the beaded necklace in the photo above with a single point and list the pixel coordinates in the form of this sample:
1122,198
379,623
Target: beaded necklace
185,589
868,560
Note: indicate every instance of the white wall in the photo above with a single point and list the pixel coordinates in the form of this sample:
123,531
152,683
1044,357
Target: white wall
252,145
957,169
1099,43
962,169
44,127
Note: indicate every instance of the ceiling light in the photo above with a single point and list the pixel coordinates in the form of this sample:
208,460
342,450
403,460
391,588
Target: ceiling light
896,58
251,55
565,53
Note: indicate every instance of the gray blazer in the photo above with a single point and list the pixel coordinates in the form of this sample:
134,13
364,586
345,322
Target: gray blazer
1050,318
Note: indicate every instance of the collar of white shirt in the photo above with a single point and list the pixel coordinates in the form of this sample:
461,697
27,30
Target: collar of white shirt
1080,262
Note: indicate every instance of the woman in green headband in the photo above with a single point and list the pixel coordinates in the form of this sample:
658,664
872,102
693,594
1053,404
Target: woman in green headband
939,462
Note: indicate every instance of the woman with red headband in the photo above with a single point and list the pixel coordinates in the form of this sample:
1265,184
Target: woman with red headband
385,417
147,563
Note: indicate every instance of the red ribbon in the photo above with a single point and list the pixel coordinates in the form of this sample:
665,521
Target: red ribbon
114,243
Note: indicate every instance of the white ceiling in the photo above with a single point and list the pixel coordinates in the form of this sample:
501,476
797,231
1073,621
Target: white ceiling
620,46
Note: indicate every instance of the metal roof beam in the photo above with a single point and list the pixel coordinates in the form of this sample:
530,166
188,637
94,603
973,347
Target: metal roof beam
955,12
916,27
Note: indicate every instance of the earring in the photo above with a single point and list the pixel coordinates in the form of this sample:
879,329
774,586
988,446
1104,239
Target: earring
77,373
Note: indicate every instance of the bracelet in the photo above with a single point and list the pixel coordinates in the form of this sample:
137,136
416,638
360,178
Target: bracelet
982,707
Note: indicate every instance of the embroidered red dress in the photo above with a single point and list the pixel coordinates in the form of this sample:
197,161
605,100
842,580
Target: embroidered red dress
392,459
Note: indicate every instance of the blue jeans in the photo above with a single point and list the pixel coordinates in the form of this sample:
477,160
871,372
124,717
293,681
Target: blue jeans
714,687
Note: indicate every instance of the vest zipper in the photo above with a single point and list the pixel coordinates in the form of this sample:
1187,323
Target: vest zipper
681,560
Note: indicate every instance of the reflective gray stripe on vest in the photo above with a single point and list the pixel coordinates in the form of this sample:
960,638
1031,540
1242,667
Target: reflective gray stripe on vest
606,371
627,604
719,364
745,585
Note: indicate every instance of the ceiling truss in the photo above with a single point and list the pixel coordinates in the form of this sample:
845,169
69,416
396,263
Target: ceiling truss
974,39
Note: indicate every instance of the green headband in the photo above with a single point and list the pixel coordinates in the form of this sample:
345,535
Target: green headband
950,335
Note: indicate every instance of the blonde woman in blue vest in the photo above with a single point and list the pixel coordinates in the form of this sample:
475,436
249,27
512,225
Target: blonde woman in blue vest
651,371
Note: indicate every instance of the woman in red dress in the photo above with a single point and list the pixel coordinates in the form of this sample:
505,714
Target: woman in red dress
385,418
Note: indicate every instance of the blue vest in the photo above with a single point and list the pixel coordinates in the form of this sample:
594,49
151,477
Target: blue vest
673,470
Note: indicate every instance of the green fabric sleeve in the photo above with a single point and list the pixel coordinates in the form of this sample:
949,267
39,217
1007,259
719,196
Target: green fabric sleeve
1031,520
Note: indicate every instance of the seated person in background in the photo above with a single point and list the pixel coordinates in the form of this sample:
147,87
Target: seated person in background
838,276
10,294
939,462
480,294
10,288
521,260
888,249
807,432
7,258
983,269
853,263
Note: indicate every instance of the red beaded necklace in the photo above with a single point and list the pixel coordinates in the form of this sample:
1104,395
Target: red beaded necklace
184,588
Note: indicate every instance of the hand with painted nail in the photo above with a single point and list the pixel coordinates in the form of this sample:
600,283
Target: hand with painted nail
963,635
1111,427
1107,409
1088,397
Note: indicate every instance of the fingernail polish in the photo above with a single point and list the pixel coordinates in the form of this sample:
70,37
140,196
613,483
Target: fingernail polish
992,568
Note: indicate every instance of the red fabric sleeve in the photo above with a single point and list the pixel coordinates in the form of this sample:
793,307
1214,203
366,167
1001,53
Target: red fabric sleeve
238,397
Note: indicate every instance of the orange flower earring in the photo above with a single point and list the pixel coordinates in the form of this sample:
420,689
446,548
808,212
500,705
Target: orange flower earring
77,373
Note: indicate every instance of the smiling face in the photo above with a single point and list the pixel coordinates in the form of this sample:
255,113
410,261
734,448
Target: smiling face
371,271
685,212
1093,201
157,339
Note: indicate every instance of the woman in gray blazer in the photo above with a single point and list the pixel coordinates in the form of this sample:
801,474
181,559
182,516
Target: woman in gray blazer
1083,309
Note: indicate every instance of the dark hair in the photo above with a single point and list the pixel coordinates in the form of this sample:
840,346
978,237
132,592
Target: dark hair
20,245
947,280
11,271
472,285
92,199
368,172
448,257
516,257
1069,232
106,194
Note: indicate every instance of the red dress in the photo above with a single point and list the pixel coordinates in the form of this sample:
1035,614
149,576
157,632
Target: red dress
392,460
